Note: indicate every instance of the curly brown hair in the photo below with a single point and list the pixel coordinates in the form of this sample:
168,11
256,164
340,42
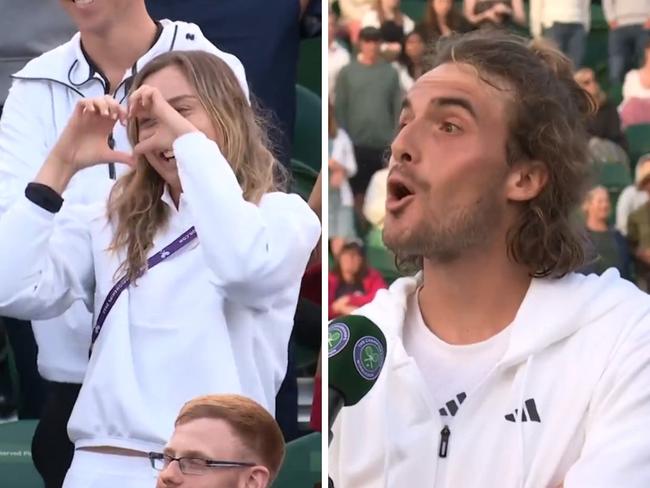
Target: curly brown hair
547,113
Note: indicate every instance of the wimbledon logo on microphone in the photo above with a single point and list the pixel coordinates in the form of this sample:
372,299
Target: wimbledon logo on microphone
369,357
338,336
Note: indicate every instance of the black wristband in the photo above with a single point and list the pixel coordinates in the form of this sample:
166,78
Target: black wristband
44,196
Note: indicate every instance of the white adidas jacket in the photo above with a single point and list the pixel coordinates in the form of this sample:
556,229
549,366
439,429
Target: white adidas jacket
214,318
40,102
579,349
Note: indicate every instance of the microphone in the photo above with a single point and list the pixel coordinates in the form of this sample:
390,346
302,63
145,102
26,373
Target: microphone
356,354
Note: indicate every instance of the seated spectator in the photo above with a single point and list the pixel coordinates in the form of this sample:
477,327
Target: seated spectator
605,122
631,198
609,246
495,13
638,232
342,165
637,81
218,441
441,19
337,55
565,22
352,283
410,63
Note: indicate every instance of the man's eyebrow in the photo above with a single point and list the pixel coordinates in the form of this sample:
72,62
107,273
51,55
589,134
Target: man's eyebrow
454,102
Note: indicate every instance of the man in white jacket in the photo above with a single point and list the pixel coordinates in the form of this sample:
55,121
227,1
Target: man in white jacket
504,368
116,39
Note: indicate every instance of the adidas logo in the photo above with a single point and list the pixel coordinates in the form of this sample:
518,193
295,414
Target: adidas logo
452,406
529,412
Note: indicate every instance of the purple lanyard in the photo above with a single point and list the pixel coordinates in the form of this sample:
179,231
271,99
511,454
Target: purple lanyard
185,238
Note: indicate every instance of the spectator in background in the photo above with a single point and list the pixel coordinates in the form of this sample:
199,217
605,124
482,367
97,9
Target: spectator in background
337,55
629,21
265,36
388,11
609,246
565,22
495,13
352,283
605,122
441,19
221,441
368,100
352,12
410,63
635,107
631,198
342,165
638,231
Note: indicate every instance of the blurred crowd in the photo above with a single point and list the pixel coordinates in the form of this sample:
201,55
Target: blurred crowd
378,48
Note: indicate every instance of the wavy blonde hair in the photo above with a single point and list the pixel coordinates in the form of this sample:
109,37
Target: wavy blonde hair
135,204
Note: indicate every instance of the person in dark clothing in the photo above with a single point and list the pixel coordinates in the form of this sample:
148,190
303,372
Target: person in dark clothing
609,246
605,122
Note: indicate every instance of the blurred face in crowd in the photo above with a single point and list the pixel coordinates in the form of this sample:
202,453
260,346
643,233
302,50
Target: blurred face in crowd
331,32
449,180
587,81
369,49
442,7
98,15
414,46
350,262
211,439
597,206
390,4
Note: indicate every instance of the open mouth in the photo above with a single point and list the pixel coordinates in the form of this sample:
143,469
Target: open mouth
83,2
399,193
168,156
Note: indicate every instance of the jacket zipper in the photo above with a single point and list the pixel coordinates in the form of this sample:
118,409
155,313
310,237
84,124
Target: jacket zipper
445,433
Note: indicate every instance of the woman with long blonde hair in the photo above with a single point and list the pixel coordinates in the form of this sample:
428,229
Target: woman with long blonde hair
192,268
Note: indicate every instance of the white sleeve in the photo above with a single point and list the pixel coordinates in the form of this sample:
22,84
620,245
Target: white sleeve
624,207
46,261
343,153
253,250
23,140
608,10
616,451
374,203
536,13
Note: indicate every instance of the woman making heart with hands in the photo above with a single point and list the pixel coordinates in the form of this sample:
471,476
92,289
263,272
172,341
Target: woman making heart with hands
192,267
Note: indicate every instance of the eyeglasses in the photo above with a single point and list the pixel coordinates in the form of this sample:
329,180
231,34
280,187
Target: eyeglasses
191,465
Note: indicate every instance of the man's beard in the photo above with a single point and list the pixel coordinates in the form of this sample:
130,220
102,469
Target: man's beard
446,235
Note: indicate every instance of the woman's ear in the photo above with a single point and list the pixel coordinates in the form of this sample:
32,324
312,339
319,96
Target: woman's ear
526,181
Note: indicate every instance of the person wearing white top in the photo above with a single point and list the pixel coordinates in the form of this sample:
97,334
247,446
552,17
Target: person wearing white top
632,198
191,268
504,367
115,40
565,22
637,81
629,24
337,56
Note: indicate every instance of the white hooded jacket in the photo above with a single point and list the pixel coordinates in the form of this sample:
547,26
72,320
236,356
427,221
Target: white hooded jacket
577,364
39,105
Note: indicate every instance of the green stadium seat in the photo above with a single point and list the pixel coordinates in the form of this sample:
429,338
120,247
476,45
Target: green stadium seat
309,64
307,132
302,464
414,9
303,178
638,140
16,468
